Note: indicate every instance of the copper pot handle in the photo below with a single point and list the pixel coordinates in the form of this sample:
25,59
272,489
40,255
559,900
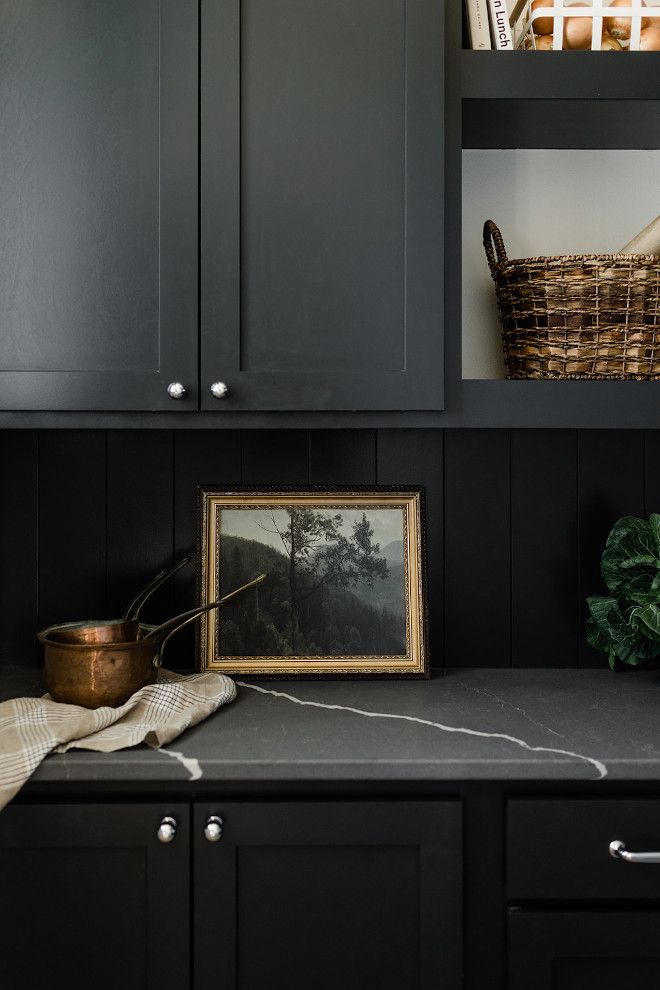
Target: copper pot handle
133,609
172,626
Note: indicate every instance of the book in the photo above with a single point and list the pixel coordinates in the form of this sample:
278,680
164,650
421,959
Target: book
499,25
477,23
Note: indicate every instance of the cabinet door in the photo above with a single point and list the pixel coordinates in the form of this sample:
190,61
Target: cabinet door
98,215
89,897
322,204
578,950
328,895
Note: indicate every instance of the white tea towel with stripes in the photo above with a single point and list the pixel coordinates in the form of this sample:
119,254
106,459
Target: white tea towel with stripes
31,728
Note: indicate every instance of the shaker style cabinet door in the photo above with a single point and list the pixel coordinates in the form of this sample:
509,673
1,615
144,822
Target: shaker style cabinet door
578,950
90,897
98,206
327,895
322,204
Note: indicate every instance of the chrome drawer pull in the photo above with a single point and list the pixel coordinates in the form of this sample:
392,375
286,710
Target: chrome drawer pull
618,851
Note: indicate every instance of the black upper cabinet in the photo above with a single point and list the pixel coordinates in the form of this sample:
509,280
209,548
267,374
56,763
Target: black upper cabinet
98,231
321,204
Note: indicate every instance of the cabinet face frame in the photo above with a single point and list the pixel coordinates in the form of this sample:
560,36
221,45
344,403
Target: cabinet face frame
177,345
432,828
419,382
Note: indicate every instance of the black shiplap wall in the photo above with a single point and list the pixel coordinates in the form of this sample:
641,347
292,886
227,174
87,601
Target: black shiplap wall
516,523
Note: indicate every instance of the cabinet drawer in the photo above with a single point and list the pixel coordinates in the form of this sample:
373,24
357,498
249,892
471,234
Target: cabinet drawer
560,848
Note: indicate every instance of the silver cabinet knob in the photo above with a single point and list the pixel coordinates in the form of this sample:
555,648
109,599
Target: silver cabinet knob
219,390
166,829
214,828
177,390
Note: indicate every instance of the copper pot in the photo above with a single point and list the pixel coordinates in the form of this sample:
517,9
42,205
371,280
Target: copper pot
122,630
97,674
94,675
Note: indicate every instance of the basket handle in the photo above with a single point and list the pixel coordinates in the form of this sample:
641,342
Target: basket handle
494,246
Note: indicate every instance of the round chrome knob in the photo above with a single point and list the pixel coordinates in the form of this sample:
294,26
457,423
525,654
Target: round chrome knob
214,828
166,829
177,390
219,390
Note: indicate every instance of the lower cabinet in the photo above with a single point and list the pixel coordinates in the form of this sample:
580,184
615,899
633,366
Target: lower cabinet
343,895
558,853
91,898
577,950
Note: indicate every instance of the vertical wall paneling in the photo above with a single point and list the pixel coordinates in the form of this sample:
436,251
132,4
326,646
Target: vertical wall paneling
342,457
206,457
140,517
516,523
416,457
543,548
477,548
275,457
19,546
652,472
72,515
610,485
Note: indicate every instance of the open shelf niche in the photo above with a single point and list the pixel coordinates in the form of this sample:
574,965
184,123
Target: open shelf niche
562,150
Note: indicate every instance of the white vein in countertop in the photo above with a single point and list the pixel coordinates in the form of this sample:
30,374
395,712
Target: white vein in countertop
189,762
597,764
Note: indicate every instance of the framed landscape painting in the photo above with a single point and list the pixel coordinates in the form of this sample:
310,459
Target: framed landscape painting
344,593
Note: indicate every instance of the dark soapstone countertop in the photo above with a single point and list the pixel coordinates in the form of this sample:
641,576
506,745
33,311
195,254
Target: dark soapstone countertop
478,724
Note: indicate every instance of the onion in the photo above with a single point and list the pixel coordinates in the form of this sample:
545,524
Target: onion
577,30
543,25
610,44
650,38
543,42
620,27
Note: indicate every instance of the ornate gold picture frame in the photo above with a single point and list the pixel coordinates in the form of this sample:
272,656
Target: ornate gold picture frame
345,594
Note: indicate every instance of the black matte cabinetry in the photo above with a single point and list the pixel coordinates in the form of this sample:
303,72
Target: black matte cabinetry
98,223
567,929
330,894
318,221
322,204
90,897
578,950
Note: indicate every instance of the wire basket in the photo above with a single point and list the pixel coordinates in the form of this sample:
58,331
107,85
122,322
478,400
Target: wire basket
593,316
630,36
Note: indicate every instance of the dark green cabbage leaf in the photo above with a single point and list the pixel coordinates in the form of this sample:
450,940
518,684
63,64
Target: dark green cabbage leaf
626,623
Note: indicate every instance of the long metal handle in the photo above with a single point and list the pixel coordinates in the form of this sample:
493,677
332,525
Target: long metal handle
167,629
133,609
618,851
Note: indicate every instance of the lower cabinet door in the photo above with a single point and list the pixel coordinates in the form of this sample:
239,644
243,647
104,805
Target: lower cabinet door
92,899
578,950
327,896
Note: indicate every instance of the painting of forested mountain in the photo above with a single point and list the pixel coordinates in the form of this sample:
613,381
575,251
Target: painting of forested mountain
335,587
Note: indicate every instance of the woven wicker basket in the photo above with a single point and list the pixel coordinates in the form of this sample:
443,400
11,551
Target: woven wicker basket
577,316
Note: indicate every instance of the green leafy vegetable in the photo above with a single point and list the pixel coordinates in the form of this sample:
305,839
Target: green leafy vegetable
626,623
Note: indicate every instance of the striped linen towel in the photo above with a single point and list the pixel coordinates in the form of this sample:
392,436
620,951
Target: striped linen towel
31,728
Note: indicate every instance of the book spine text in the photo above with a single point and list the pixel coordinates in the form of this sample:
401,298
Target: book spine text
499,25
